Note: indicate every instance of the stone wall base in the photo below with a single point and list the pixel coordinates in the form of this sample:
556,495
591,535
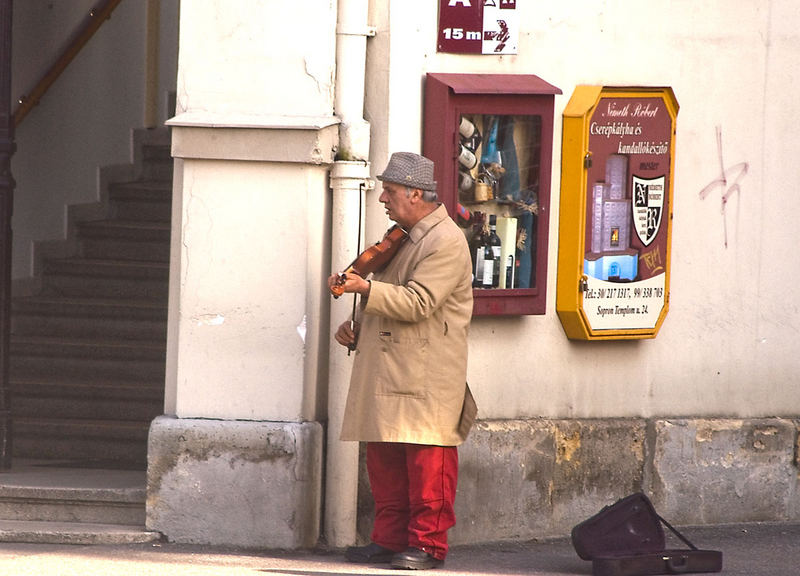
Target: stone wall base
259,484
235,483
525,479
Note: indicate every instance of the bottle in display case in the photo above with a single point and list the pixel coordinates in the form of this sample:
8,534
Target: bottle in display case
489,264
495,244
507,231
476,248
490,137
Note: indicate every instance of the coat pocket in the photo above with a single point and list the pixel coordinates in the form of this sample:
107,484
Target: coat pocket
402,367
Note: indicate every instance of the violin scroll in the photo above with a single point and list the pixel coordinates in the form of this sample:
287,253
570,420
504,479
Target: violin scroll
338,288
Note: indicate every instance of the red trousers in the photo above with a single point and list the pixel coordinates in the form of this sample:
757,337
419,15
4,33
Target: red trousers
414,488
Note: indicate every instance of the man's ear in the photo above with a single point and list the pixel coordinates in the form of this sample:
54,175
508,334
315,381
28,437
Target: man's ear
416,193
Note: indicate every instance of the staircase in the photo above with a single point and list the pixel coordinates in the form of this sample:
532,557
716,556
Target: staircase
45,503
87,364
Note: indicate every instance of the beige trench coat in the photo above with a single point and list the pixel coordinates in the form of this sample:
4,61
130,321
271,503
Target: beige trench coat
409,373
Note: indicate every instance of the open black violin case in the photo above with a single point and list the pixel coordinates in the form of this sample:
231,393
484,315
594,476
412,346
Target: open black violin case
627,539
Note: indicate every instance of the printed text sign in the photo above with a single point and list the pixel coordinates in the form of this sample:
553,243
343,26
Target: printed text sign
478,26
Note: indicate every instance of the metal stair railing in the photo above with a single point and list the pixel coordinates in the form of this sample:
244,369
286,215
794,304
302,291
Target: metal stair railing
91,24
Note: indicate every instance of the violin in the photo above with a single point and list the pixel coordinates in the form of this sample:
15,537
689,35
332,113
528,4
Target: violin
373,258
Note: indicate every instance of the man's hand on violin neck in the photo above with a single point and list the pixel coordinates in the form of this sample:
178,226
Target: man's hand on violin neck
350,282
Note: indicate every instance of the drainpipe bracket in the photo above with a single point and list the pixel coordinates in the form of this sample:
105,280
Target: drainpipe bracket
370,31
356,173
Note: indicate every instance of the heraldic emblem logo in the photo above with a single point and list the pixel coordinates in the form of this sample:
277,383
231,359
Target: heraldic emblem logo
647,207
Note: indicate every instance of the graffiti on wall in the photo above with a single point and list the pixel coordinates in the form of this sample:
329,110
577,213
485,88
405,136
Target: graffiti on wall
728,182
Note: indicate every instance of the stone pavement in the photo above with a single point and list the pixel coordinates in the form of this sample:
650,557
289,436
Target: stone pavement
748,550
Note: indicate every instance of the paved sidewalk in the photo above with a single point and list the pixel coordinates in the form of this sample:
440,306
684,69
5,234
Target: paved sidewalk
748,550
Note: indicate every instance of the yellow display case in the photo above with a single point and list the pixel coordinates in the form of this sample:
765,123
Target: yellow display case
615,220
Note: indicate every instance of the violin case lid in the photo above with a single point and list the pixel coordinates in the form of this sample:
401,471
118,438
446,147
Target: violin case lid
627,539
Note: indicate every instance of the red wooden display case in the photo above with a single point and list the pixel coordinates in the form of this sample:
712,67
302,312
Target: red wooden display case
511,176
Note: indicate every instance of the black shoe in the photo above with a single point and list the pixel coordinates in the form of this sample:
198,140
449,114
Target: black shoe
370,554
415,559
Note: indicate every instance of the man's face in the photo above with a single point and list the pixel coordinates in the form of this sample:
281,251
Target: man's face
398,203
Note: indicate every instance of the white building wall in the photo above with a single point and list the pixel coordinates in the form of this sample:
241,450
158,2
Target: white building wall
243,308
254,138
726,346
254,110
257,57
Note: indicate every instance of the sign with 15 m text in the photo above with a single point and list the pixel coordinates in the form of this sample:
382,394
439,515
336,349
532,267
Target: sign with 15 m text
478,26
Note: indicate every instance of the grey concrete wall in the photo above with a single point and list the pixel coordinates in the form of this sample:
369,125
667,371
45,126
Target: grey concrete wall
258,484
235,483
713,471
524,479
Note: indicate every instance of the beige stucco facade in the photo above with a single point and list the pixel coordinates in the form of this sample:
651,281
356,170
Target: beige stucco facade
256,230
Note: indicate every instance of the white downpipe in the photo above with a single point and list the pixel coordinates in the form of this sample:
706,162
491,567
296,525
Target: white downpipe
349,180
351,53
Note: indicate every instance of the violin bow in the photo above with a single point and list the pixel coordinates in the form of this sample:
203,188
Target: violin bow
352,347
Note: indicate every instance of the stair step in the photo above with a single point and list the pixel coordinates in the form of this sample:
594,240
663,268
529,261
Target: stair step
116,389
47,357
45,493
88,408
74,533
119,441
154,152
89,317
75,348
126,229
103,278
72,502
149,200
102,267
99,429
139,401
125,240
157,162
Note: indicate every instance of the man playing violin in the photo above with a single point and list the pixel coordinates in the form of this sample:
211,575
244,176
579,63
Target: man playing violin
408,398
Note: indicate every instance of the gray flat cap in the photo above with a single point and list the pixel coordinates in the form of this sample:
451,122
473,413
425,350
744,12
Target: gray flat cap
409,169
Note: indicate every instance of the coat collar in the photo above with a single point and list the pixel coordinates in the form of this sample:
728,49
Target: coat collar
422,227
